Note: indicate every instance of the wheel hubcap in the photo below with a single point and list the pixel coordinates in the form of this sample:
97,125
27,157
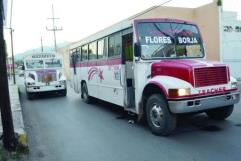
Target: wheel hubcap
156,115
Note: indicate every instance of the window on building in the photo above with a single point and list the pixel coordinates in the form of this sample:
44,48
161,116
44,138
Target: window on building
92,51
84,51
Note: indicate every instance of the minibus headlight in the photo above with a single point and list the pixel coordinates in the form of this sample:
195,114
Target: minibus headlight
178,92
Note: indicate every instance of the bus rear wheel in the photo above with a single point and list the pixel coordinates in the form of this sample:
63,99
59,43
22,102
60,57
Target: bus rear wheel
160,120
84,93
220,113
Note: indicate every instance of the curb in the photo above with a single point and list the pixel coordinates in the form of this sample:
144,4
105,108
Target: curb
16,108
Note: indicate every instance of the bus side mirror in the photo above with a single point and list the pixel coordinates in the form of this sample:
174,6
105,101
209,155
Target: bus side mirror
23,68
137,50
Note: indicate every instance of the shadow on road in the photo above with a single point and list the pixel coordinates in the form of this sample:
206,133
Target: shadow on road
185,123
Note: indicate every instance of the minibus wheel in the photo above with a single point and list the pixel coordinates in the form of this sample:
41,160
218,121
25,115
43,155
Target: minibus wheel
85,96
160,120
220,113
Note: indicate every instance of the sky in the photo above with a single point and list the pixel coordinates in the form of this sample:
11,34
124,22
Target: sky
78,18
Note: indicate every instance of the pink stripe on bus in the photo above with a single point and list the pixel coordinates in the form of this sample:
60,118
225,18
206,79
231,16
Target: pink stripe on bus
109,62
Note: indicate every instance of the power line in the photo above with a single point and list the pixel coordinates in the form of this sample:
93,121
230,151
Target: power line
154,7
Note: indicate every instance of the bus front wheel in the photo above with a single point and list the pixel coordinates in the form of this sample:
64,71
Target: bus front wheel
84,93
160,120
30,96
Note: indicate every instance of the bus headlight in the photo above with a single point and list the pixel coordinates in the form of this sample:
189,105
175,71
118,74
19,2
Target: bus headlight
30,83
234,85
179,92
62,82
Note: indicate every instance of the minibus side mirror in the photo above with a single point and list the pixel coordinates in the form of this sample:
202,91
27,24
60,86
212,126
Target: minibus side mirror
137,50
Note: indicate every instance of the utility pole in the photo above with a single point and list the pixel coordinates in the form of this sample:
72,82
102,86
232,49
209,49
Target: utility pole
9,139
11,35
42,49
54,28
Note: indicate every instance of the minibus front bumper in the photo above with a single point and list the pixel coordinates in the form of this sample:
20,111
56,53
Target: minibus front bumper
203,103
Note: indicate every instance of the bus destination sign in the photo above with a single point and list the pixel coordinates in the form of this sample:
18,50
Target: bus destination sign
43,56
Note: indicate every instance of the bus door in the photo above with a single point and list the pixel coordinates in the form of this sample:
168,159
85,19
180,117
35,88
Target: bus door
127,46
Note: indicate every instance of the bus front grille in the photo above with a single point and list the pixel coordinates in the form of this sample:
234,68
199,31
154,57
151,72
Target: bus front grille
209,76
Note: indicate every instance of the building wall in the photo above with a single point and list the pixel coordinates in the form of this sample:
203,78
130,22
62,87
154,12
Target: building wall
231,42
207,18
169,12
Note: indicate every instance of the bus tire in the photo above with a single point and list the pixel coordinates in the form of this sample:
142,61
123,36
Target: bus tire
64,92
84,92
30,96
160,120
220,113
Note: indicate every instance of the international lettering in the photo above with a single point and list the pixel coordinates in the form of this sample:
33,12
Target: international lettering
212,90
187,40
158,40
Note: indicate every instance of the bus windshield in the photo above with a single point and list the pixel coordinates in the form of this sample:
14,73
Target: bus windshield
34,64
169,40
53,63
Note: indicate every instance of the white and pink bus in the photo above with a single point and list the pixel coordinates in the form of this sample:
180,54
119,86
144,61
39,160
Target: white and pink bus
44,74
155,68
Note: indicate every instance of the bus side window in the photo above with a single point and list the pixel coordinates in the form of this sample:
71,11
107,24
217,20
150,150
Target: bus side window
114,45
111,46
127,43
118,44
84,52
92,51
78,55
101,48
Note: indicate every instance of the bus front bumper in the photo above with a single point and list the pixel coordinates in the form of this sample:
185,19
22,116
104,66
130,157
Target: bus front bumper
202,104
46,88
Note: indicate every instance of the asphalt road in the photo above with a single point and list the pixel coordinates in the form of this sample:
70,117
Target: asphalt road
66,129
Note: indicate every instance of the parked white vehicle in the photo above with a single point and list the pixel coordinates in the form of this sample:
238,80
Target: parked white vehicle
154,68
44,73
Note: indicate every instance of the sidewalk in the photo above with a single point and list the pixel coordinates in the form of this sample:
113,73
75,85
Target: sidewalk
16,113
